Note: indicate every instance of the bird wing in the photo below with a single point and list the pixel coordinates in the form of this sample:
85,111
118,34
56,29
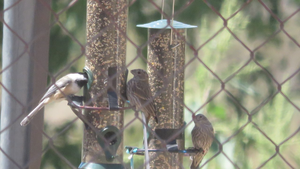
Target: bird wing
143,93
201,138
63,82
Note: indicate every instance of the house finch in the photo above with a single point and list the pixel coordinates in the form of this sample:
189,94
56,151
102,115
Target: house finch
202,137
139,94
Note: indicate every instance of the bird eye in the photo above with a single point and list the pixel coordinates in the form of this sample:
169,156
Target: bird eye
139,72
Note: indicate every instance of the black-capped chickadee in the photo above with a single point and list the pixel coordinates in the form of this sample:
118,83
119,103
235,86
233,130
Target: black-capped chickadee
65,86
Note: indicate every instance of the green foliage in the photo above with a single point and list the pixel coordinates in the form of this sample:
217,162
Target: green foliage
62,46
58,53
217,111
65,144
249,88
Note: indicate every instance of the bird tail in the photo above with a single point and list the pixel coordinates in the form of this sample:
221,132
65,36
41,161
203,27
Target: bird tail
197,160
30,116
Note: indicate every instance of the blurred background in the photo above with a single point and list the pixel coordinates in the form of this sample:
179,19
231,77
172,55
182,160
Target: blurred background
253,89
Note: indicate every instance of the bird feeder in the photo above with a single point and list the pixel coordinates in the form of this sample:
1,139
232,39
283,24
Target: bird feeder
106,57
166,59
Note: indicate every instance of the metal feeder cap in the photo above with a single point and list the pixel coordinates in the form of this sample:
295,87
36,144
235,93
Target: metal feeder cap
163,24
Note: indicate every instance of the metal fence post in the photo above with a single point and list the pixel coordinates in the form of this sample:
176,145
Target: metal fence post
24,77
106,48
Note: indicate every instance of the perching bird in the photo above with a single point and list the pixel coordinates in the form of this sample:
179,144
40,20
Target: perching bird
68,84
202,137
139,94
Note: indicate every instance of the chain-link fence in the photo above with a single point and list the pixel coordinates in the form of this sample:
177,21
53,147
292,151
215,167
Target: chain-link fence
236,63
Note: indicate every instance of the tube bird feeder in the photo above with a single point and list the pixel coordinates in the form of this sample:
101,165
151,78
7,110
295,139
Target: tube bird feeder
106,54
166,59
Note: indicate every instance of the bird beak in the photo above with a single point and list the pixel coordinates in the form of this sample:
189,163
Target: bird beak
194,116
131,72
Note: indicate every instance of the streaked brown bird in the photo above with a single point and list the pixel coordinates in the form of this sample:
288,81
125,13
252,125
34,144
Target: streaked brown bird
139,94
202,137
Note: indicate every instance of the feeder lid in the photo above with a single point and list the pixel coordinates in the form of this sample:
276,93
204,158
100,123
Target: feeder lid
163,24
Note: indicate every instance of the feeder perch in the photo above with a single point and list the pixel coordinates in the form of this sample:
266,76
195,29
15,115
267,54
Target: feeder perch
109,139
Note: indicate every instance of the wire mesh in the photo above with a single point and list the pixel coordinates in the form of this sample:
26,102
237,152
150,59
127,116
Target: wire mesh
241,71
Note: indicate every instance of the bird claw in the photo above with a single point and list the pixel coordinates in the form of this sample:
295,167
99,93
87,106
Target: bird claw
195,150
200,150
191,148
75,101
